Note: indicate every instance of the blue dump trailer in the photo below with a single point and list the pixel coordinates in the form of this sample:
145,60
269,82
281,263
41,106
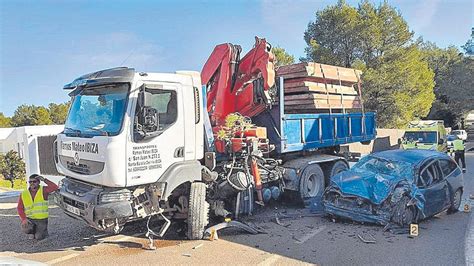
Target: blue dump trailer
308,144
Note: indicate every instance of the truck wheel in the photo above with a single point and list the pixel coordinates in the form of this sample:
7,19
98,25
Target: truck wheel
198,211
334,169
311,182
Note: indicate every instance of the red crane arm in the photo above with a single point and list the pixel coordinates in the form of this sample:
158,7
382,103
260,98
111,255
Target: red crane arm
238,85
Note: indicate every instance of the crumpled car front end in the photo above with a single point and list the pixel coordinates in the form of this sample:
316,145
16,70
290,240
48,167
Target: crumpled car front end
375,190
354,208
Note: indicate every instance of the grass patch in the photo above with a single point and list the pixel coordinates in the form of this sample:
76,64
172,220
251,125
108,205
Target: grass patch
17,183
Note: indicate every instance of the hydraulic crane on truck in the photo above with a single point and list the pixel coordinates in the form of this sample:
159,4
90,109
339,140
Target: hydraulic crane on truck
134,143
238,85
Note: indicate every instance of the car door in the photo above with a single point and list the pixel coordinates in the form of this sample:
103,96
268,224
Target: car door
452,175
434,187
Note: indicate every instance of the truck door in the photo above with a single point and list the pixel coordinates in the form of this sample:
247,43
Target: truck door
149,157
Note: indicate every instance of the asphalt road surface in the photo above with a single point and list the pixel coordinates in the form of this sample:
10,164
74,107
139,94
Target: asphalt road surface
298,238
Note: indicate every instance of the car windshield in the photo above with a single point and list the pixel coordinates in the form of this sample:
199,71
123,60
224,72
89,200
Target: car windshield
374,164
421,136
97,110
457,132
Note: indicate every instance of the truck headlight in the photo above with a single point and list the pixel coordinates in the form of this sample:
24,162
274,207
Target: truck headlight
115,196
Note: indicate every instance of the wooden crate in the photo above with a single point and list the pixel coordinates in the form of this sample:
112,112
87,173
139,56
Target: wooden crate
321,71
310,87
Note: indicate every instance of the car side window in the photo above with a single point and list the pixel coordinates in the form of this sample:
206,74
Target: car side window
429,175
447,166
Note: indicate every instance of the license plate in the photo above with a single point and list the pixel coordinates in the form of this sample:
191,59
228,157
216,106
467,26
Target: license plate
72,209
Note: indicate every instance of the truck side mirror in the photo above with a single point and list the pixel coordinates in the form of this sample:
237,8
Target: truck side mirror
147,118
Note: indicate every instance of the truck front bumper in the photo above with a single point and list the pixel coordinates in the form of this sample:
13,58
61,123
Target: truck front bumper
82,201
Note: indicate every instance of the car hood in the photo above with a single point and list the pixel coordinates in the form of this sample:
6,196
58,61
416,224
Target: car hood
375,187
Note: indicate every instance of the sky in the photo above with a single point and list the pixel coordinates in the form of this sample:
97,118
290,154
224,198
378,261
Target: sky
46,44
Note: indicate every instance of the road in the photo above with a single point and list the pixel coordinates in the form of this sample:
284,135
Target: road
300,238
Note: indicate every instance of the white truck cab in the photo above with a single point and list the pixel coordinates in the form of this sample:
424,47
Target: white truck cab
126,130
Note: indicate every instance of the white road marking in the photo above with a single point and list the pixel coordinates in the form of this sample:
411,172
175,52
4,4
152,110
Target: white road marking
311,235
16,215
63,258
270,260
6,206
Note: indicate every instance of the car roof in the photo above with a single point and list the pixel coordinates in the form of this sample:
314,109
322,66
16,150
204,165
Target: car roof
412,156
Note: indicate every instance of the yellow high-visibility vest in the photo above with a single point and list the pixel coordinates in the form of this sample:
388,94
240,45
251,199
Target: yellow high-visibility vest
37,209
458,145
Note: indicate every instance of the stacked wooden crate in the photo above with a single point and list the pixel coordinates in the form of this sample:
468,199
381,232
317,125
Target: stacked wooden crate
314,87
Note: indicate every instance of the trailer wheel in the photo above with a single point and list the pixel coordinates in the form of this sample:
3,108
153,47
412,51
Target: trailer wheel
198,211
311,182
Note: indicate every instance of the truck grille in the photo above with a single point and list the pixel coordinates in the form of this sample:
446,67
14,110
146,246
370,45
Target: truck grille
85,167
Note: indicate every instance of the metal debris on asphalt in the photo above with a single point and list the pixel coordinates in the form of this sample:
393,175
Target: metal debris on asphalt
277,220
367,241
187,255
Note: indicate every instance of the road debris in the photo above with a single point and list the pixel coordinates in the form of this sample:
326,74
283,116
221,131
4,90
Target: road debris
186,254
277,220
211,232
198,246
372,239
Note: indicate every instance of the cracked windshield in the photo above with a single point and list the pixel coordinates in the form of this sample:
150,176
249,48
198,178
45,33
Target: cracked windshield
97,110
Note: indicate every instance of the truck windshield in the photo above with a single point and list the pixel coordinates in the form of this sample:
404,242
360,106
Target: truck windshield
97,111
421,136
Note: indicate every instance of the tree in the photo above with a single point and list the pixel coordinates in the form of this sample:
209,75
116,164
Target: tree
31,115
469,46
331,38
397,82
12,166
58,112
282,58
454,98
4,121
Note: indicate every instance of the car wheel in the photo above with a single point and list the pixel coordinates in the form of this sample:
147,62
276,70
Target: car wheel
456,201
403,214
311,182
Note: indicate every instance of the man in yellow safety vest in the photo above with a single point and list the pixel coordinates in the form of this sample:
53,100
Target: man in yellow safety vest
33,207
458,147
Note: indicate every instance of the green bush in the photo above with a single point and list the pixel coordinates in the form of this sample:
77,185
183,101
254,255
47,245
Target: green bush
12,167
17,184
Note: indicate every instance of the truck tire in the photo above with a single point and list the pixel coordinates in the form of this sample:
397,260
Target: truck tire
311,182
198,211
334,169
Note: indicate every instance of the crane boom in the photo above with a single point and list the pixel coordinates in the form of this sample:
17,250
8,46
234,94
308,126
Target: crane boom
238,85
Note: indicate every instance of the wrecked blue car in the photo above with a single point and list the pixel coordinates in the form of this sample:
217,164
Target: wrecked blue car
396,187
